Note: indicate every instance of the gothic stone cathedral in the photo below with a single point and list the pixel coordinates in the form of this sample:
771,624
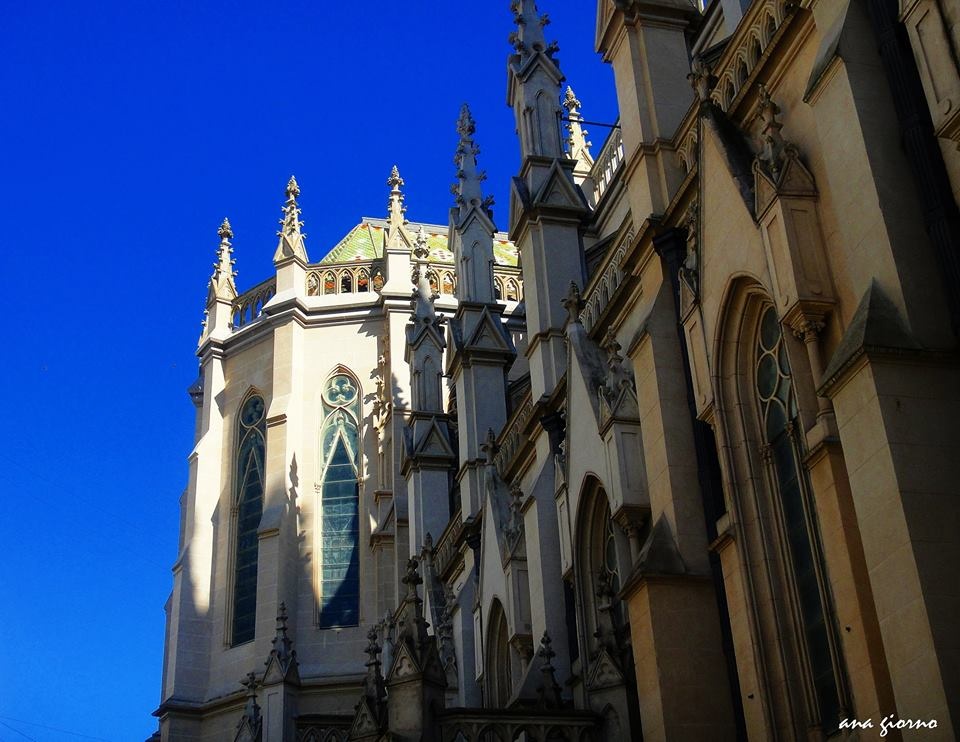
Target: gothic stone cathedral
674,458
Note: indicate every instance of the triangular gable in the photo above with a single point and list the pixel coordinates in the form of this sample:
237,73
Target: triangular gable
604,673
488,334
434,443
365,721
405,665
559,190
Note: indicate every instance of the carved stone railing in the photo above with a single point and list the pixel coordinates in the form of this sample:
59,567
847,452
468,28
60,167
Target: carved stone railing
607,163
447,550
481,725
750,44
249,305
605,283
514,438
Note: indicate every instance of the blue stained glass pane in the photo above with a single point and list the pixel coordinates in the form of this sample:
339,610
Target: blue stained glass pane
249,484
767,376
340,558
769,330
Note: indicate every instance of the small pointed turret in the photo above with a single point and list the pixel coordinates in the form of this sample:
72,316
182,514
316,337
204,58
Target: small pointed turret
291,237
222,286
395,207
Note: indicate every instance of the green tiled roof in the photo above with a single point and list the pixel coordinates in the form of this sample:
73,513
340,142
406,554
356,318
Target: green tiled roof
366,241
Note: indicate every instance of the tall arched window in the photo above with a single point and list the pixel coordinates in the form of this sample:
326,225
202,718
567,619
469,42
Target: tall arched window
779,418
248,508
498,671
340,503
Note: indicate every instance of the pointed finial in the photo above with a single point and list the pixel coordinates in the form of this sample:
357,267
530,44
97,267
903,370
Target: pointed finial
395,207
420,249
771,140
465,123
373,649
395,181
293,190
251,710
573,303
221,286
549,692
291,237
489,445
578,148
612,347
412,578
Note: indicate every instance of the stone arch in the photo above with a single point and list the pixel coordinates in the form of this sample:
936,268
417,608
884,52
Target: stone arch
346,281
770,495
768,28
497,670
599,554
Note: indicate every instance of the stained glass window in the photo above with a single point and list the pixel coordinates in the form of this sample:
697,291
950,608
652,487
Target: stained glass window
778,408
249,508
340,504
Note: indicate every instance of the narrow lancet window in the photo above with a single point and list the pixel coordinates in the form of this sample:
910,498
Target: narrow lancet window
248,506
778,409
340,504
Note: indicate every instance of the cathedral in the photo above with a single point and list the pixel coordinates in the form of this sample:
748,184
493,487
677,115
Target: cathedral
672,457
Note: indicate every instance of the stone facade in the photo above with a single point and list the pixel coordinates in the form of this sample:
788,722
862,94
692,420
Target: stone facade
689,473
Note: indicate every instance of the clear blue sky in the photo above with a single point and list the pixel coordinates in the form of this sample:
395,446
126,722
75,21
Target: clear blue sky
129,130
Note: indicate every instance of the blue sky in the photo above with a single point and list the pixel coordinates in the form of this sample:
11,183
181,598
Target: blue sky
129,130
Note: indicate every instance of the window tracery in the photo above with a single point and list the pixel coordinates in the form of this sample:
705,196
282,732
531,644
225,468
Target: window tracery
340,503
779,421
248,509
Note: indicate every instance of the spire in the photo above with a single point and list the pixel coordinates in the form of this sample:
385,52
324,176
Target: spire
528,39
282,652
549,692
250,728
395,207
222,286
467,187
423,295
291,238
578,148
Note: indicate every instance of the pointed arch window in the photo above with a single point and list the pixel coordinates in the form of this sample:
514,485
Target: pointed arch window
340,503
779,418
329,285
346,282
363,281
248,508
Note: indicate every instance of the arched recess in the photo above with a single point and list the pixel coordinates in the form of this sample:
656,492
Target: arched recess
339,501
601,563
498,666
246,512
758,418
